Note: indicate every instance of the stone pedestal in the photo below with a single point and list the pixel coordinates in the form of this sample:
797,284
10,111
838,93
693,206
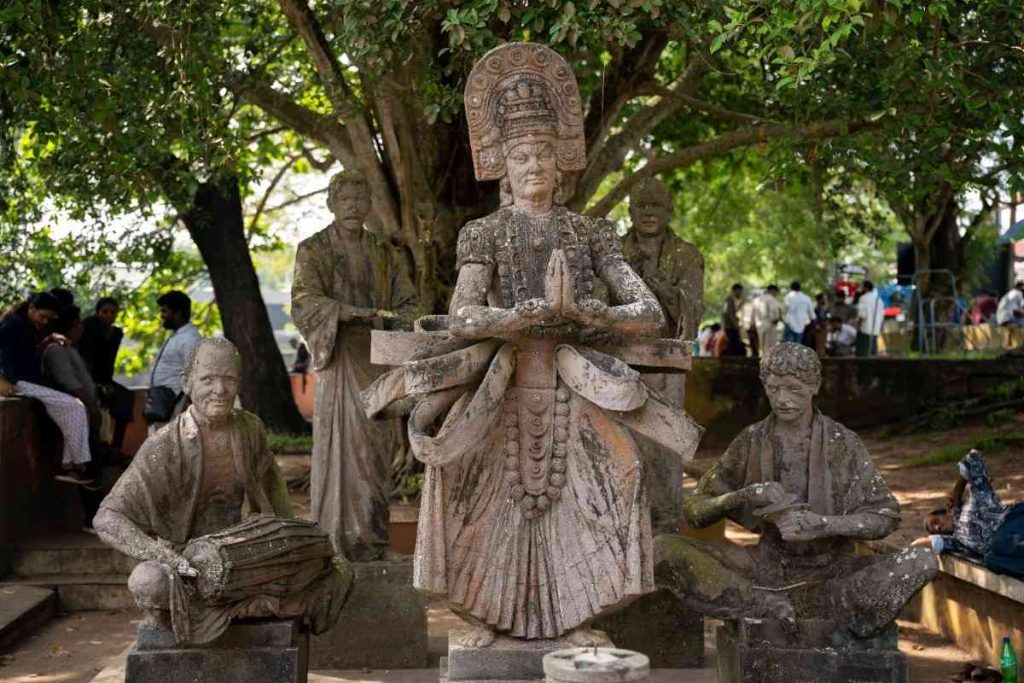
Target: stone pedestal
507,660
662,627
382,626
265,651
763,651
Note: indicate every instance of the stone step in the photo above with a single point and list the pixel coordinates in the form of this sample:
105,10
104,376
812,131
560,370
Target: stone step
33,561
67,552
78,592
23,609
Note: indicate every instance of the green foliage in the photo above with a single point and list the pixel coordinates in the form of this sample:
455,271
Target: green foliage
1008,440
757,230
279,442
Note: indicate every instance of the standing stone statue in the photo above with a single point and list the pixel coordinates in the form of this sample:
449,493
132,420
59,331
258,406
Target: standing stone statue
178,509
534,516
672,267
347,282
809,487
674,270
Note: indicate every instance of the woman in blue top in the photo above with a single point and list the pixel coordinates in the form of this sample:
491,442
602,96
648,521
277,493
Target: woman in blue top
22,333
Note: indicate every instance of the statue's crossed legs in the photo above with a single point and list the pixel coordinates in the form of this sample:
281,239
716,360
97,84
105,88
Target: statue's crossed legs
865,592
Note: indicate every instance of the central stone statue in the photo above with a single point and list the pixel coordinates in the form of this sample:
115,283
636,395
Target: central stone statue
534,517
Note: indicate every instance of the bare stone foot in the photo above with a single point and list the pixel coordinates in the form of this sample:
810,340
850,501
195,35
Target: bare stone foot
584,636
478,636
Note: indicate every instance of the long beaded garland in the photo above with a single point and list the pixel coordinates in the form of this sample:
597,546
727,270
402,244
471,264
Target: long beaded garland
534,506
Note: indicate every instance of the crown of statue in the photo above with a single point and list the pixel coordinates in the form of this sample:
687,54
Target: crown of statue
525,108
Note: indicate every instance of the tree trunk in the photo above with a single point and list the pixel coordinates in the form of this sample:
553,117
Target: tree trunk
216,225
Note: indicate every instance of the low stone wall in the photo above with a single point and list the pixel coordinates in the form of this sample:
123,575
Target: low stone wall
973,607
725,395
30,455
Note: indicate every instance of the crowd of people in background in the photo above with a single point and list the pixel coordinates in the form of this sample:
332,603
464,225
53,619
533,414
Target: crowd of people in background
829,323
50,353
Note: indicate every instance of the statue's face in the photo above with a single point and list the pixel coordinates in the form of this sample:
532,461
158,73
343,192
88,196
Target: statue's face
532,168
213,384
650,216
791,399
350,205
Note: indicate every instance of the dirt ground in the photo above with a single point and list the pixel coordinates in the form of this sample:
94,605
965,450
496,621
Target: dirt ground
71,648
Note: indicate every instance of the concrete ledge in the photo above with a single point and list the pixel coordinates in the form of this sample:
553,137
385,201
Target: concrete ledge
965,570
972,606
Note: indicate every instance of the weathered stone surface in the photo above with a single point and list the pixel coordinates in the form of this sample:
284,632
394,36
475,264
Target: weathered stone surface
662,627
179,506
534,514
383,624
596,665
808,486
347,281
247,652
506,659
744,657
672,267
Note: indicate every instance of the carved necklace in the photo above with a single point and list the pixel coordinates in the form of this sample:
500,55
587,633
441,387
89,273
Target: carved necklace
534,505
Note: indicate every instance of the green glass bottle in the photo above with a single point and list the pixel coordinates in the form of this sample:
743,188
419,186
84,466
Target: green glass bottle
1008,662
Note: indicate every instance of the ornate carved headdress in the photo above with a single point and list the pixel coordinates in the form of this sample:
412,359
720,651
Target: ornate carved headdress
516,90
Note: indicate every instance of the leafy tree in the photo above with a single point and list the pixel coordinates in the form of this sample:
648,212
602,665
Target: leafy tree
96,139
206,93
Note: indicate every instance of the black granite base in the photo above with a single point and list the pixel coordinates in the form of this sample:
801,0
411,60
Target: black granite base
382,626
264,651
755,651
660,626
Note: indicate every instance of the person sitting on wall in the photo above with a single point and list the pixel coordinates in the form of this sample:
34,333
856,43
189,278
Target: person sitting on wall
99,345
22,332
965,527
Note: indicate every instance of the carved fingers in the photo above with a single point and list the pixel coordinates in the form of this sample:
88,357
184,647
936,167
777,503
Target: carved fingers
802,525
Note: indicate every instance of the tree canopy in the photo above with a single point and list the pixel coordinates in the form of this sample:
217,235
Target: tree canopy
834,115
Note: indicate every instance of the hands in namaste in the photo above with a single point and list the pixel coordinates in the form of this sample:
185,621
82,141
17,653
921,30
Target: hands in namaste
560,297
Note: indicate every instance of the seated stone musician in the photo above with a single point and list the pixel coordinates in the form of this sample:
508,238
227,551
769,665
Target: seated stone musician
194,477
809,487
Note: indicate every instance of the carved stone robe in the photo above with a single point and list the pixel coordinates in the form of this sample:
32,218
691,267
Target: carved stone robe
350,479
681,265
534,515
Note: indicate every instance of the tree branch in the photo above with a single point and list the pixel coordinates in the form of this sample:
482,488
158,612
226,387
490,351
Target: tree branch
706,107
295,200
721,144
347,107
266,195
608,156
629,69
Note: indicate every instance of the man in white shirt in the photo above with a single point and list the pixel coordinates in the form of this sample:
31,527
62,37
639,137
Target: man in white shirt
870,316
1011,306
799,314
766,312
175,314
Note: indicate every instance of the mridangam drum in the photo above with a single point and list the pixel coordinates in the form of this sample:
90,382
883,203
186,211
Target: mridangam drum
261,555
